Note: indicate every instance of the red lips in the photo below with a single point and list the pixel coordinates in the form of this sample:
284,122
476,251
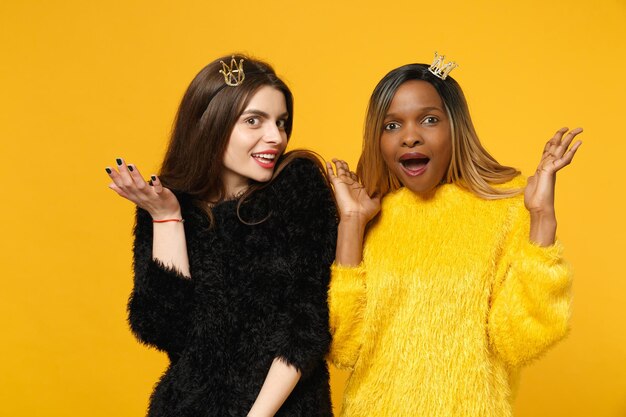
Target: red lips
266,158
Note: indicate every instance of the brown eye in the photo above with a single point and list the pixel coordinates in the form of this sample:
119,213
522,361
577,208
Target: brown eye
391,126
252,121
429,120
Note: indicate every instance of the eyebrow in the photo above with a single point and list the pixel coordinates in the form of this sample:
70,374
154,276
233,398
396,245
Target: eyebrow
263,114
423,109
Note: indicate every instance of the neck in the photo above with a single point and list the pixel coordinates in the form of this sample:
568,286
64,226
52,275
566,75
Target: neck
426,195
234,185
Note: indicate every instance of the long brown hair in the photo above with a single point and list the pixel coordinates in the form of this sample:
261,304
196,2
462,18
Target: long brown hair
471,166
193,162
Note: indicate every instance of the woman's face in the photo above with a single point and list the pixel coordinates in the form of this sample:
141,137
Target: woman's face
257,140
416,142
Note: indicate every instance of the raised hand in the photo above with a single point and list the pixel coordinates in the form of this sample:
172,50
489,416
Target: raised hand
157,200
539,192
353,200
356,209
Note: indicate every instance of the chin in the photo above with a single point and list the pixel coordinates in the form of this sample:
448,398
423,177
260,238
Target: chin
421,190
420,187
264,177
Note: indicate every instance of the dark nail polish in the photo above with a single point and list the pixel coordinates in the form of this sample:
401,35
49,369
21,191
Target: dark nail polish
108,170
119,161
150,182
130,168
153,177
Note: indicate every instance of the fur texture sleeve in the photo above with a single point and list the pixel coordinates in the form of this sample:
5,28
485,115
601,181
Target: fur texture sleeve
161,300
346,301
531,299
309,220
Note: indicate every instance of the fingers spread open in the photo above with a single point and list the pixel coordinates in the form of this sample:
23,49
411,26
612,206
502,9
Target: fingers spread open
342,174
338,167
118,190
157,187
126,182
329,170
135,175
346,173
115,177
555,141
567,158
562,148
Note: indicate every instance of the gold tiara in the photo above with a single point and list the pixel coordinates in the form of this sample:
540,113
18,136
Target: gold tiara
440,70
233,74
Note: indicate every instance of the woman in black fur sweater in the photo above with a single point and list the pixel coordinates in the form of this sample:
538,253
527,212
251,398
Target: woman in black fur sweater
235,295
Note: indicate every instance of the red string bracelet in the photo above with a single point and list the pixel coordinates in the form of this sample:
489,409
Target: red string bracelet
169,220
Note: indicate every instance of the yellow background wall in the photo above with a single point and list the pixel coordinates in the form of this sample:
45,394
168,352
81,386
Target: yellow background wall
83,82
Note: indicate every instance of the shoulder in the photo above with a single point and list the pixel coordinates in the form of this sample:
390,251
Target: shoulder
301,170
497,212
301,191
517,182
301,178
513,209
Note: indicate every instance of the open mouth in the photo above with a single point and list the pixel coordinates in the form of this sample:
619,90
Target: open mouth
265,159
413,163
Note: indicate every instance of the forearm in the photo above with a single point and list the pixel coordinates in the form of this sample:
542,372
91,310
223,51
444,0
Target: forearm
169,245
540,189
279,382
349,250
543,228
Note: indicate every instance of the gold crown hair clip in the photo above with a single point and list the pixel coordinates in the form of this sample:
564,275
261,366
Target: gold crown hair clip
440,70
233,75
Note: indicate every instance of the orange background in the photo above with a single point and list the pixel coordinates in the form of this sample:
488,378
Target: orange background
84,82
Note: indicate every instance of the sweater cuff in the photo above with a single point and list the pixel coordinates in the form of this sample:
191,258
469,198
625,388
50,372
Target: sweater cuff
545,267
549,255
348,278
165,279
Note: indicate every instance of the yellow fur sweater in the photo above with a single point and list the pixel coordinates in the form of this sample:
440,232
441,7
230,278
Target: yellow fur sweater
451,299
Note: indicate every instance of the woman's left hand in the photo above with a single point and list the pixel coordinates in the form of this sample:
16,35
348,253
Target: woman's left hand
539,193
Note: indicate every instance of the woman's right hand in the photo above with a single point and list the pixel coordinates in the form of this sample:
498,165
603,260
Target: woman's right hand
157,200
352,198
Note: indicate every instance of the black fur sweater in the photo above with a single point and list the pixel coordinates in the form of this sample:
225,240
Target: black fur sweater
256,293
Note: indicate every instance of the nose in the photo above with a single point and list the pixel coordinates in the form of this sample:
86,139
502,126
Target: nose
412,138
272,134
412,135
411,141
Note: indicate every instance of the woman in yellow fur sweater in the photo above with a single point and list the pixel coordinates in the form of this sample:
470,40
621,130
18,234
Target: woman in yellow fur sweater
458,281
